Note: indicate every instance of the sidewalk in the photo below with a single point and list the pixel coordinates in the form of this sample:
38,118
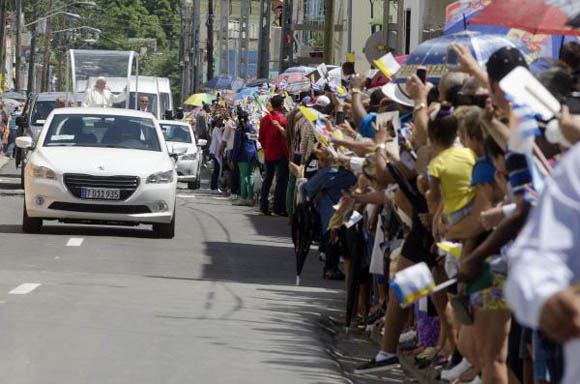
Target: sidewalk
357,347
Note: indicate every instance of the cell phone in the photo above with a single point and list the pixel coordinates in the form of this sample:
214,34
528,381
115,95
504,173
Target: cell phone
297,158
339,118
451,59
422,74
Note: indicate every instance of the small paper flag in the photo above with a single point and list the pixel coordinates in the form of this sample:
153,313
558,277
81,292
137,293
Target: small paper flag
310,114
388,65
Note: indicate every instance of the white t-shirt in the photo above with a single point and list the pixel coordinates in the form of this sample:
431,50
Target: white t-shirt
216,139
229,135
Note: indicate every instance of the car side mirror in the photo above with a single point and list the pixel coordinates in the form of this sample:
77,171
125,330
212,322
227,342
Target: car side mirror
21,121
201,142
24,142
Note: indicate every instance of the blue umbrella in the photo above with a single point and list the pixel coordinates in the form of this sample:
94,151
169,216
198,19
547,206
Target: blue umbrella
225,82
245,92
431,54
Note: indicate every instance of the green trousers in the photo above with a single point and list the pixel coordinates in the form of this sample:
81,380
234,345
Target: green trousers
246,180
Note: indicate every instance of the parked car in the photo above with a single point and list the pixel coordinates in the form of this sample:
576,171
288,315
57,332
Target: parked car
100,166
187,152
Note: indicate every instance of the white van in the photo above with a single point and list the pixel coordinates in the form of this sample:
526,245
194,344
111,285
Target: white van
165,97
146,85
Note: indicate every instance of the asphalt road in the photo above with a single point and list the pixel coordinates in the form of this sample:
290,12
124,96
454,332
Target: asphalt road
217,304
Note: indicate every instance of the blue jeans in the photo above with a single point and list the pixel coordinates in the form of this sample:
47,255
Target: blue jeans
11,142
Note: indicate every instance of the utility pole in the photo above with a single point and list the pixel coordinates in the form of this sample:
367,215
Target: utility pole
349,34
329,31
210,64
18,63
30,87
286,39
46,58
264,39
195,57
244,38
183,49
224,37
2,40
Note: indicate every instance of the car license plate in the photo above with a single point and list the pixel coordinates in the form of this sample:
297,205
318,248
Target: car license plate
100,193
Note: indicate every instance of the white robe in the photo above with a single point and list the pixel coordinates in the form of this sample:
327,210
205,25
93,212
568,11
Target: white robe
104,99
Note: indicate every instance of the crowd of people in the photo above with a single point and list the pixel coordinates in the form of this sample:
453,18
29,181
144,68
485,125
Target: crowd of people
433,175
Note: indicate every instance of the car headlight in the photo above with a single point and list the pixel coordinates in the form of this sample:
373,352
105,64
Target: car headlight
190,156
161,177
40,172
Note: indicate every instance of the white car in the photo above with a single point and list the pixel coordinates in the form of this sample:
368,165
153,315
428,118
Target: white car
188,154
99,166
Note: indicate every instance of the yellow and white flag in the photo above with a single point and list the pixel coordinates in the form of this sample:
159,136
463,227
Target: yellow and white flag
388,65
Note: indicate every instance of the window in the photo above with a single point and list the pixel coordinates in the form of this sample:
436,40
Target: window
176,133
108,131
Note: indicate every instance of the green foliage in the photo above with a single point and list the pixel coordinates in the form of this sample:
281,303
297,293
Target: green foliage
121,20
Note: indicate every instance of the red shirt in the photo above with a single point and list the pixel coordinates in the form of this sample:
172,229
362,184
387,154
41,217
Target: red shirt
271,139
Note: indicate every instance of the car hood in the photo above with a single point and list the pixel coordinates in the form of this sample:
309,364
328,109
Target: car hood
181,148
102,161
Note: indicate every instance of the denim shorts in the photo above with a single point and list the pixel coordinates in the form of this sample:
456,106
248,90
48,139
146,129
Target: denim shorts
456,216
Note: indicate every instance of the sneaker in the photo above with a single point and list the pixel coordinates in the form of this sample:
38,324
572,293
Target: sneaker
265,213
408,336
374,366
454,373
238,202
248,202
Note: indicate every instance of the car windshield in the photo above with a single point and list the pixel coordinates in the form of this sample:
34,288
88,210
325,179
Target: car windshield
176,133
102,131
41,110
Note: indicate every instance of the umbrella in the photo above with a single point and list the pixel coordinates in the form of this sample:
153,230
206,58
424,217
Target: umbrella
198,99
257,83
245,92
225,82
300,69
285,79
304,229
11,104
535,16
460,13
431,54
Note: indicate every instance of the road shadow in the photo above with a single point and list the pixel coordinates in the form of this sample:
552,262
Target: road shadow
79,230
246,263
270,226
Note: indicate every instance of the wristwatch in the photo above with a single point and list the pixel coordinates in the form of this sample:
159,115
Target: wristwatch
419,107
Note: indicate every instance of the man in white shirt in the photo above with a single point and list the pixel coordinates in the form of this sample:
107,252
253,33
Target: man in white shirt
542,287
101,97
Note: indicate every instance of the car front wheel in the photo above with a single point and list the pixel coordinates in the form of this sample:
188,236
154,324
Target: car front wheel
30,224
165,231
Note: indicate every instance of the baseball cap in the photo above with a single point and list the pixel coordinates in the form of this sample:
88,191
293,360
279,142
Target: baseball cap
503,61
321,101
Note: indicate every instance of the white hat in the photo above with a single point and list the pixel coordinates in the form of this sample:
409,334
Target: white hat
397,93
322,101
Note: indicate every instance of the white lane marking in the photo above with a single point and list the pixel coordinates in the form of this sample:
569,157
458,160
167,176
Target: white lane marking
75,242
25,288
186,196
